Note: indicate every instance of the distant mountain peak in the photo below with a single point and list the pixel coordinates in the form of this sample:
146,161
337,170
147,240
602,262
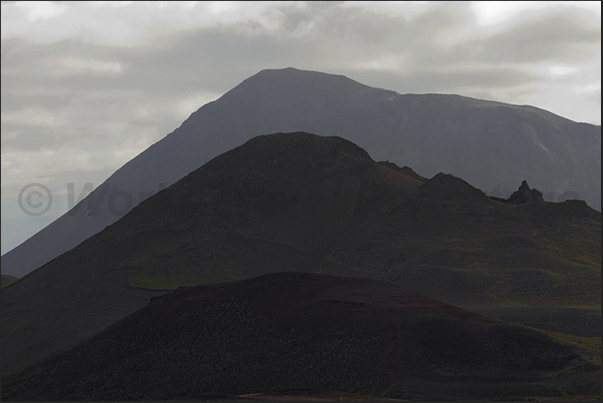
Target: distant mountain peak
294,82
288,71
285,70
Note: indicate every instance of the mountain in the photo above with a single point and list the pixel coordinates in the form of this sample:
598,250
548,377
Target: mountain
301,202
492,145
300,331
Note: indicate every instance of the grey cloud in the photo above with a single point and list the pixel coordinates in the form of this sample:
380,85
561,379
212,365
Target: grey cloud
327,37
558,37
87,104
203,57
214,58
31,139
442,81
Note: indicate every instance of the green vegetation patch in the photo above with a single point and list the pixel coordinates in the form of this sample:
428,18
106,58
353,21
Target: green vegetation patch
590,347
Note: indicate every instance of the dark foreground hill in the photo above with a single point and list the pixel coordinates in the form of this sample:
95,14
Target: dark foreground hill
301,202
492,145
290,331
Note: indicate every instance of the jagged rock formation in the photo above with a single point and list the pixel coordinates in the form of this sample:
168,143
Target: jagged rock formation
524,195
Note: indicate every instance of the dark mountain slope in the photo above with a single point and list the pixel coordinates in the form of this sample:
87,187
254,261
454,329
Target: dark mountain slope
5,280
289,331
307,203
492,145
277,201
454,243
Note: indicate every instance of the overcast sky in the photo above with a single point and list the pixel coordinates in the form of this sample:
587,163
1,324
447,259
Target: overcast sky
86,86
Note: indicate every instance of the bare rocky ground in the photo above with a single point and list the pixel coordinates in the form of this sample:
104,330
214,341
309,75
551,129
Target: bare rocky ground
298,333
299,396
584,398
348,397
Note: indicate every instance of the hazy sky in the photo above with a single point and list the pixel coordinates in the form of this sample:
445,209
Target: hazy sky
86,86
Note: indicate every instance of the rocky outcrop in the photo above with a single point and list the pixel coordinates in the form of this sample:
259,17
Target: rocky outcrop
525,195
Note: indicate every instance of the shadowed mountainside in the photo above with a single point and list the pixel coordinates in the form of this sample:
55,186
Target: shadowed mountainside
302,202
296,331
5,280
452,242
492,145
